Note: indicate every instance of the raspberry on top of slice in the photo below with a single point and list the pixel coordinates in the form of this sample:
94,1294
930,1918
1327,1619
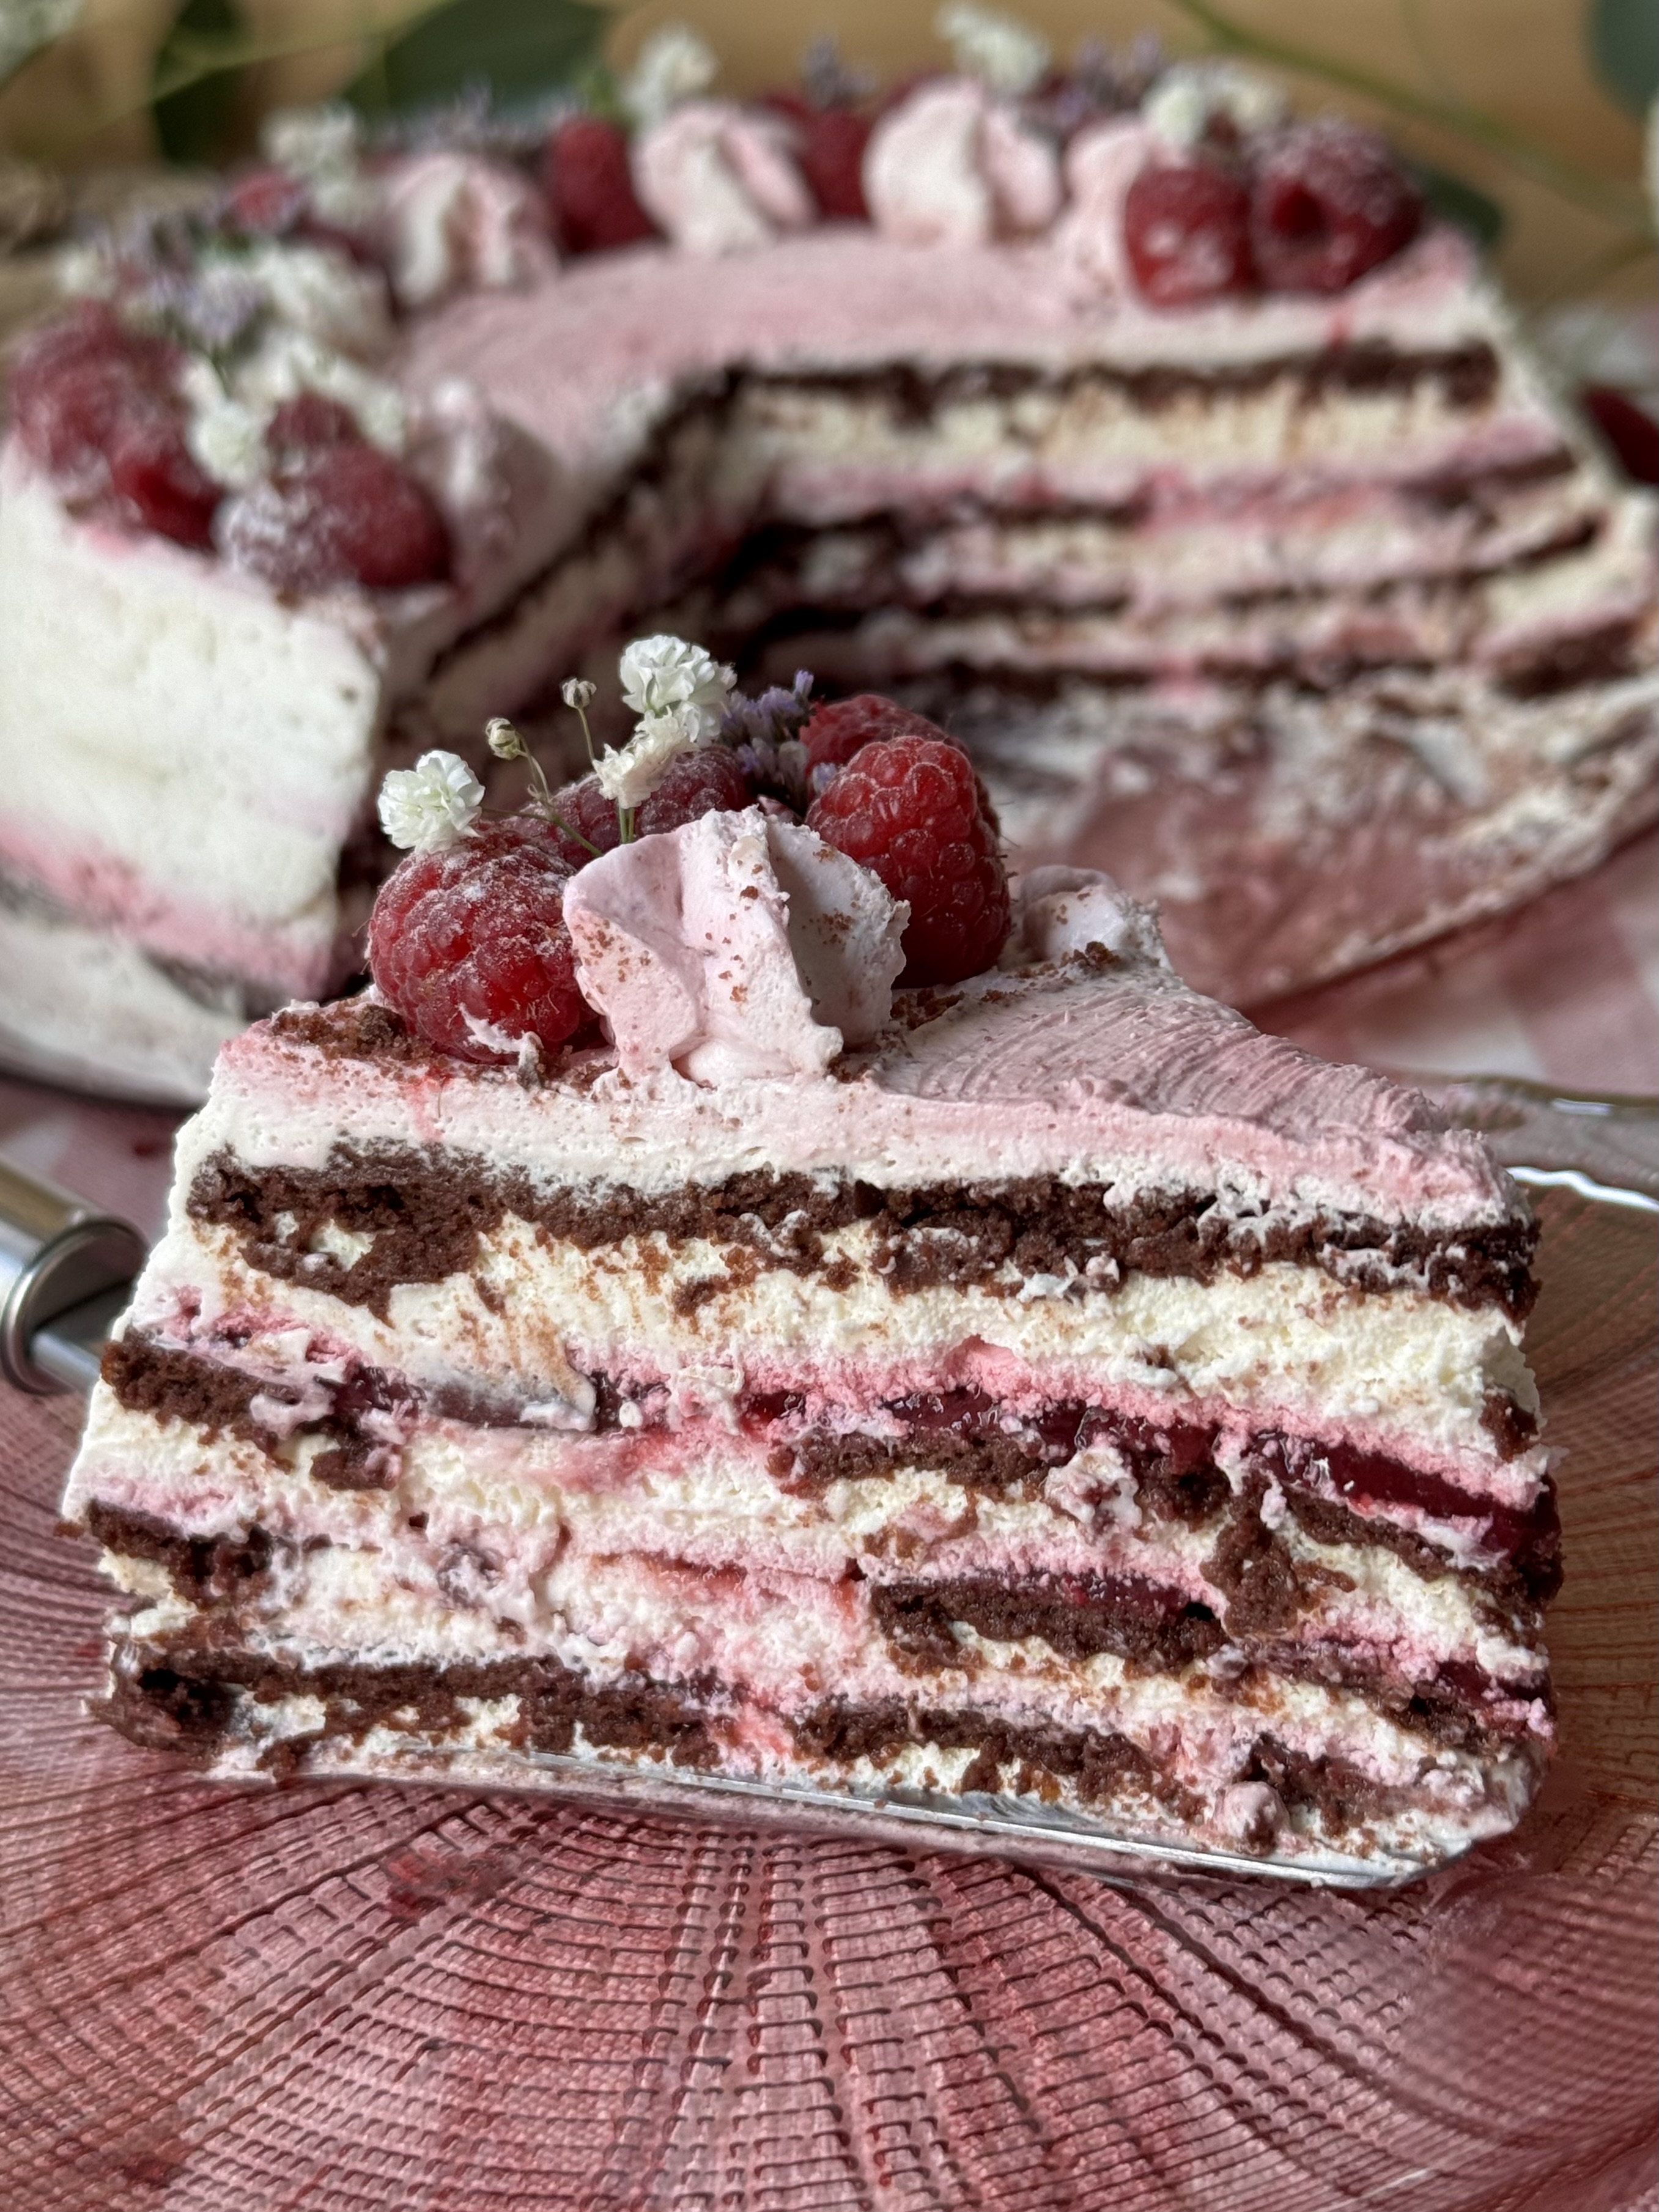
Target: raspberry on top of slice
911,809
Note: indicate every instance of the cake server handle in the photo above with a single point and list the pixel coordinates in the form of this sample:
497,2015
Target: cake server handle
65,1271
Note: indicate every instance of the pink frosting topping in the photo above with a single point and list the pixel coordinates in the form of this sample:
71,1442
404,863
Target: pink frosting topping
736,947
720,179
451,223
1067,911
954,165
1101,162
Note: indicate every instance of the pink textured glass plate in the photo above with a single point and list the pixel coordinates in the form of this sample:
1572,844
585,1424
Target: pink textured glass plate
418,2001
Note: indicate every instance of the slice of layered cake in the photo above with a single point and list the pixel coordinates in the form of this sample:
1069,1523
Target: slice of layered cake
1028,1391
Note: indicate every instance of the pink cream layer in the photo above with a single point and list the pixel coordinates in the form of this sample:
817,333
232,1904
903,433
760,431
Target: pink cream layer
1480,1521
754,1400
102,890
1121,1075
1173,549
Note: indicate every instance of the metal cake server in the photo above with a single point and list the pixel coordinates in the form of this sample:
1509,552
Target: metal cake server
65,1270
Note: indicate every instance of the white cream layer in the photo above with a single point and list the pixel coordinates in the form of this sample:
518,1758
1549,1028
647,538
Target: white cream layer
1287,1347
501,1511
89,1010
182,757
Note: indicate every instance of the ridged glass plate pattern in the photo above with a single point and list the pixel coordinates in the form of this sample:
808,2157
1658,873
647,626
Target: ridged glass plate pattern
323,1997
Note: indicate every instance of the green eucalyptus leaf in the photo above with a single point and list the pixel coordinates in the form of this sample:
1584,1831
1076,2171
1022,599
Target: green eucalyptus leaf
519,49
193,118
1624,43
1455,200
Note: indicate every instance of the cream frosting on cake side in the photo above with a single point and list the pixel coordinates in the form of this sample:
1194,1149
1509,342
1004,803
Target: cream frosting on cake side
979,1404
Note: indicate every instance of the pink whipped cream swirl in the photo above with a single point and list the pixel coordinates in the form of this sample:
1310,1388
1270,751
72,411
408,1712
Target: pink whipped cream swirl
737,946
954,166
450,222
719,179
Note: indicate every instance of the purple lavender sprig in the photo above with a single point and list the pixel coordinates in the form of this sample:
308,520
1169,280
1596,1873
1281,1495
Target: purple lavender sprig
765,735
175,271
827,80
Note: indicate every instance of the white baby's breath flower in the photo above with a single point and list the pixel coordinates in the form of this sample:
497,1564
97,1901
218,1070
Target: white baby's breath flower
229,439
312,141
1183,103
324,146
629,777
503,739
430,805
675,63
322,293
27,25
576,692
351,200
663,672
84,272
199,383
1000,49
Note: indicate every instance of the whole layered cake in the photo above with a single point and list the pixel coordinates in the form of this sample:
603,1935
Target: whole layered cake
635,1339
1155,441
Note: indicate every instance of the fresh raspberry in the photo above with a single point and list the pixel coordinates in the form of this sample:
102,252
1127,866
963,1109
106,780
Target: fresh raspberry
590,187
707,781
583,807
67,421
908,807
1187,232
158,480
95,402
839,729
830,150
834,732
470,943
74,380
348,514
1329,202
310,423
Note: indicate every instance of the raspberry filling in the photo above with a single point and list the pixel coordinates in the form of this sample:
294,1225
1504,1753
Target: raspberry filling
1174,1461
